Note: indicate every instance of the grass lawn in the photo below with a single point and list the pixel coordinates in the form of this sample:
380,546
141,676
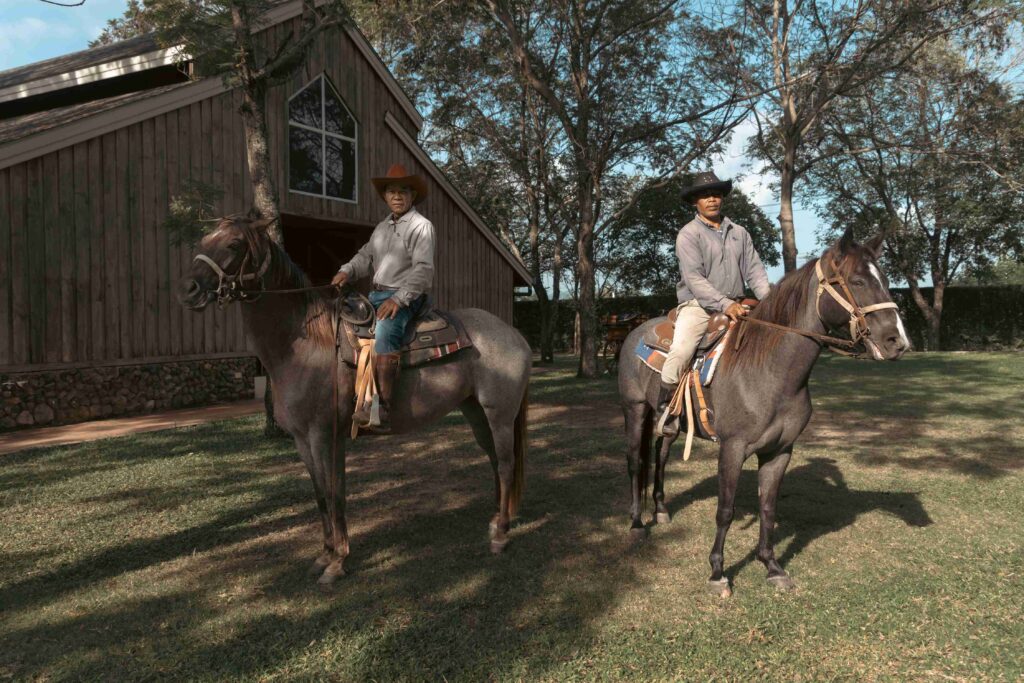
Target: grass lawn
183,554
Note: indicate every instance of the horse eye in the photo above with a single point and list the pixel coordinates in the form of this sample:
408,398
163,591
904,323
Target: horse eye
858,282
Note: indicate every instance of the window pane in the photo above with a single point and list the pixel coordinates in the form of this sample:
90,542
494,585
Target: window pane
305,160
338,119
305,107
341,168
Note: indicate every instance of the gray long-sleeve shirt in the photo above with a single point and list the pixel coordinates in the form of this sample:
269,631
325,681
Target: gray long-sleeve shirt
400,254
713,264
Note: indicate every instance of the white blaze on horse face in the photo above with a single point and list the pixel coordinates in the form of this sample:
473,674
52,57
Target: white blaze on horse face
899,321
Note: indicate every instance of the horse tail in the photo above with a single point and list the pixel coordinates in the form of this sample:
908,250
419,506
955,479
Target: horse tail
519,453
644,475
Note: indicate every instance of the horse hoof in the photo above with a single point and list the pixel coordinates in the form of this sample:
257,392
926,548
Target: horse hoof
638,534
719,588
318,566
782,582
498,545
662,518
334,571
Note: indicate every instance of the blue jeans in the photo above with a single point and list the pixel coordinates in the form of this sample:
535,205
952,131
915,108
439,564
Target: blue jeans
390,331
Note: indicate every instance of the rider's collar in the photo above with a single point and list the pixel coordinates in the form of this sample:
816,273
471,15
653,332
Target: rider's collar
405,217
725,225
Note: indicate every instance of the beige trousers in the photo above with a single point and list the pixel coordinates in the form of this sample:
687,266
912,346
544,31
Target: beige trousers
691,323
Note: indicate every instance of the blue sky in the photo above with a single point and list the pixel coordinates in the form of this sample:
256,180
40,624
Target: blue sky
31,31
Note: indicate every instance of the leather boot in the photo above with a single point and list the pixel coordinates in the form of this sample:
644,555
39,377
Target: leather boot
667,425
385,373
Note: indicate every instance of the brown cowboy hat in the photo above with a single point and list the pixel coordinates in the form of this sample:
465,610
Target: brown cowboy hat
397,175
707,181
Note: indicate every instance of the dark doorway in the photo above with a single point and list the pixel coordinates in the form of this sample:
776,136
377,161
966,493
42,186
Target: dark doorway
321,247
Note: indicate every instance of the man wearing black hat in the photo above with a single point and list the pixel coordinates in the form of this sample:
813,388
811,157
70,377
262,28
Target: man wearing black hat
716,257
400,254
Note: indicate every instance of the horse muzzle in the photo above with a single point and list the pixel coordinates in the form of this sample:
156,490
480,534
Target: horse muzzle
192,295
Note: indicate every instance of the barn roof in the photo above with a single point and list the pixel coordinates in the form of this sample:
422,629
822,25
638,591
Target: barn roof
76,61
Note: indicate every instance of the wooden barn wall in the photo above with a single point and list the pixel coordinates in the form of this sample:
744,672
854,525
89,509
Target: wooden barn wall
87,274
469,272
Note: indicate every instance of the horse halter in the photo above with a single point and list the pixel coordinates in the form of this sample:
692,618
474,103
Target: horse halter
231,287
860,332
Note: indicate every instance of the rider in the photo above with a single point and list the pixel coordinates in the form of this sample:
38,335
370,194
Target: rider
400,254
715,257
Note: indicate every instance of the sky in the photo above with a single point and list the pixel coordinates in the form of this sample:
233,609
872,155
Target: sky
31,30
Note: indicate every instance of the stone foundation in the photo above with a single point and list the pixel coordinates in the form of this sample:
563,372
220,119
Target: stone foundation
54,397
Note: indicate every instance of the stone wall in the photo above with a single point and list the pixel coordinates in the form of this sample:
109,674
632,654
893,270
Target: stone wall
74,395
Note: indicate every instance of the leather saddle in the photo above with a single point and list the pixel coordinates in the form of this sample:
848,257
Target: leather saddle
660,336
432,334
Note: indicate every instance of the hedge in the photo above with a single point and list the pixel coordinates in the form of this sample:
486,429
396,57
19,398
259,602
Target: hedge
973,319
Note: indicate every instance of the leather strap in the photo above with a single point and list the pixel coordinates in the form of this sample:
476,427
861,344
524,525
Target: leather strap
366,386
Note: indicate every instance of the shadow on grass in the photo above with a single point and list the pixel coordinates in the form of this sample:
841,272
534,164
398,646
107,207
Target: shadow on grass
815,501
424,598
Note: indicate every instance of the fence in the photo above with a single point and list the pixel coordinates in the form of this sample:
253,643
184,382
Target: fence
973,319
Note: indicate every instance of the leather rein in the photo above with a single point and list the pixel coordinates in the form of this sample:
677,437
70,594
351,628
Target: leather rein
860,332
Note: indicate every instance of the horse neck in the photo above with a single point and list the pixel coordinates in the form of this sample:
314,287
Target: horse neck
796,353
276,324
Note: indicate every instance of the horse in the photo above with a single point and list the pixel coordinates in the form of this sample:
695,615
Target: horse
292,328
760,395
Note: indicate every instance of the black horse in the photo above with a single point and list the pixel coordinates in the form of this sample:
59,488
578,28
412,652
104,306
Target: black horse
760,395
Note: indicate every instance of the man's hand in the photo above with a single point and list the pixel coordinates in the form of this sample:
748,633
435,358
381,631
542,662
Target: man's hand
340,279
735,311
388,309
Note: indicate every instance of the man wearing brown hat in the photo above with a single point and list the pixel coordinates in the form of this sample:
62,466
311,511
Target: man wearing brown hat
716,257
400,254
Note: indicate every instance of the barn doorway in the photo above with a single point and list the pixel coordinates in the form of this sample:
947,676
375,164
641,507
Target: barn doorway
320,247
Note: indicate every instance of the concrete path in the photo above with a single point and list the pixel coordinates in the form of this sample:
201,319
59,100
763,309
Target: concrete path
11,442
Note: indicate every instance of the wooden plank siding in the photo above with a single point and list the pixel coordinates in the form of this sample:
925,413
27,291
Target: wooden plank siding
88,274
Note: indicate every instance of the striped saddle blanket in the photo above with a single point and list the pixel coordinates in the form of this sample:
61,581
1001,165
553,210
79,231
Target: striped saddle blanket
704,362
432,335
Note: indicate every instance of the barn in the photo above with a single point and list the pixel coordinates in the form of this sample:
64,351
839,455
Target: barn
93,147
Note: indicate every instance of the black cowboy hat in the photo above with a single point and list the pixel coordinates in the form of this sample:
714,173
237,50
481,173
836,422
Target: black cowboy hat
707,181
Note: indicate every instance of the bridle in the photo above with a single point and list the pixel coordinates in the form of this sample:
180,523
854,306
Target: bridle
232,287
860,331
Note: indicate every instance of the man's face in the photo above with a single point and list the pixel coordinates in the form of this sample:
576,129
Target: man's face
709,204
399,198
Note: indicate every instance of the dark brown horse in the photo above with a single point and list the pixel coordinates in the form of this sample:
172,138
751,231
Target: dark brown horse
293,335
760,396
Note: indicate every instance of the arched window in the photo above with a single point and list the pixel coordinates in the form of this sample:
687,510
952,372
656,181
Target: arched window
322,136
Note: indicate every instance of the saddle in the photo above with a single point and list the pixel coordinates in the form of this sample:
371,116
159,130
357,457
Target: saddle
432,334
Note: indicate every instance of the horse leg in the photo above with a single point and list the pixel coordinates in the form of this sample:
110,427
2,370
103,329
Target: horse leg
663,446
316,476
325,453
730,464
477,419
770,469
637,440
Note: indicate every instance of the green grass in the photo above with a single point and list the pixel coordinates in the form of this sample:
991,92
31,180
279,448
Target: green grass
182,554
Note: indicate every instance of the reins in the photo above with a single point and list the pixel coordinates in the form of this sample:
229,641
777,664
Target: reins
859,329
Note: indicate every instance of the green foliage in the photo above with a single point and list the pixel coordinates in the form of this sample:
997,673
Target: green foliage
192,212
136,21
1004,271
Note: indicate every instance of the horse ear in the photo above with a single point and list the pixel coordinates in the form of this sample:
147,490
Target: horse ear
874,245
842,247
262,224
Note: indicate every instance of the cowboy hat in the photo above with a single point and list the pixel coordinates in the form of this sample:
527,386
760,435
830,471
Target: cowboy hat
397,175
707,181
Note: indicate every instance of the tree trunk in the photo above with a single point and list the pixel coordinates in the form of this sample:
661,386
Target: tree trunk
257,149
786,182
586,277
556,298
932,312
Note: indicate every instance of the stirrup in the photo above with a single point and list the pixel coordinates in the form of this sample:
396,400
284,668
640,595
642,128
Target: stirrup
666,418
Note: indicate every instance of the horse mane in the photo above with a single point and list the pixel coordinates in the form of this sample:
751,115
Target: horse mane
782,306
286,274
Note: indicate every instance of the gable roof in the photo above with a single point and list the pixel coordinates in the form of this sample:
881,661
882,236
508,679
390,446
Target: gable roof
76,61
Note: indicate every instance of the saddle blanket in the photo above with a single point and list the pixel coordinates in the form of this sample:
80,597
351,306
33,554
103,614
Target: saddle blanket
432,336
704,363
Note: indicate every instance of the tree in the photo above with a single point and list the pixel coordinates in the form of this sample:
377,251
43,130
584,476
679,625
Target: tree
913,155
614,76
134,22
807,54
642,256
